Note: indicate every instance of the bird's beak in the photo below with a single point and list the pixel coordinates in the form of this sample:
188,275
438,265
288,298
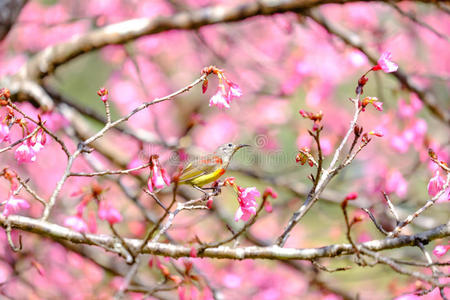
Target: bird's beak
242,146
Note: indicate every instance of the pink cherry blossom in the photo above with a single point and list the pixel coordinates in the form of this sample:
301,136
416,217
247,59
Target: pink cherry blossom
234,90
378,105
219,99
4,133
225,93
157,181
38,141
14,204
25,153
435,184
441,250
109,213
247,203
385,63
76,223
159,177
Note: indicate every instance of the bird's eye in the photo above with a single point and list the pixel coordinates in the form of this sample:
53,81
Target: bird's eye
230,145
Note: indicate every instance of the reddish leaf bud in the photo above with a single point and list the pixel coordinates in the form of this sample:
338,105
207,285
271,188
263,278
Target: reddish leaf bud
351,196
204,86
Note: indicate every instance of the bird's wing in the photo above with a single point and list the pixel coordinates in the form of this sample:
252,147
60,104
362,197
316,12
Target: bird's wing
198,168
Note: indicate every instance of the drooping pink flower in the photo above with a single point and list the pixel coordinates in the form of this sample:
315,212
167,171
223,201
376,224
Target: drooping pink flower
435,184
159,177
25,153
441,250
247,203
157,181
76,223
4,133
14,204
219,99
234,91
109,213
226,91
385,63
269,192
38,141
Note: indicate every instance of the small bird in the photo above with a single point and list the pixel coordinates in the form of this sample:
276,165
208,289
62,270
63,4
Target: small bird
209,168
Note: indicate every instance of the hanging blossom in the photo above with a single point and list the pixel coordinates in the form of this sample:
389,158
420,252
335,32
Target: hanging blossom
27,151
226,90
109,213
13,205
159,177
385,63
269,192
435,185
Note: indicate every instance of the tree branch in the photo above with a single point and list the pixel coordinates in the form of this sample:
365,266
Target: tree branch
58,232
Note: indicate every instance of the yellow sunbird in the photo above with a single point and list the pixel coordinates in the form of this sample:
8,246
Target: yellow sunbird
209,168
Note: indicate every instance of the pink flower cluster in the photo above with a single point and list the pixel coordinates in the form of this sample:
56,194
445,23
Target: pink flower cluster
226,90
27,151
105,211
225,93
159,177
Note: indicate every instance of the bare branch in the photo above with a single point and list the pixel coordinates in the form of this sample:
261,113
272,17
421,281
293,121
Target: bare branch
58,232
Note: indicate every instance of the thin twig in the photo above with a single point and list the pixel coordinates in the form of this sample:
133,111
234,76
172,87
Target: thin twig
417,213
111,172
